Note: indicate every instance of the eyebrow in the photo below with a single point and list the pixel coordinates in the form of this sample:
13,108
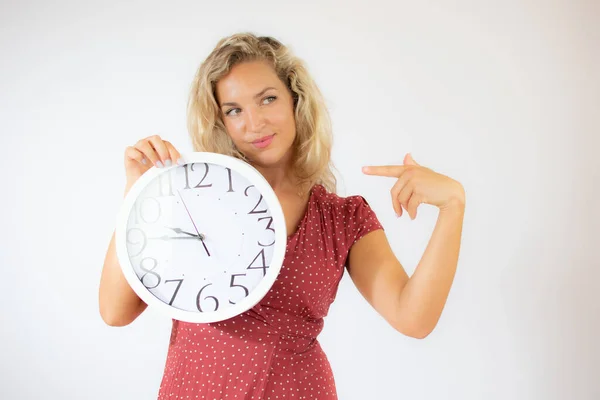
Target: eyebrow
255,96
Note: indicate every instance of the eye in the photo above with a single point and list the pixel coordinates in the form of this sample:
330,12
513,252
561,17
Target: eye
270,97
228,112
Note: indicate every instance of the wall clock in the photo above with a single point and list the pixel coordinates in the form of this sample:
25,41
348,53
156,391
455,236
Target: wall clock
203,241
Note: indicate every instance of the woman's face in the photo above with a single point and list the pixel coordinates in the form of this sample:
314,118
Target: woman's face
258,112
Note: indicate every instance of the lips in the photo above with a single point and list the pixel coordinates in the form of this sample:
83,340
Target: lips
263,142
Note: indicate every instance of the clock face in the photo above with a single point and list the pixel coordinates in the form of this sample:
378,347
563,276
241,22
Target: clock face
203,241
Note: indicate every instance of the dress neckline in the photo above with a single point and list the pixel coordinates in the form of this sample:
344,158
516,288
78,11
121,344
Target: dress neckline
302,221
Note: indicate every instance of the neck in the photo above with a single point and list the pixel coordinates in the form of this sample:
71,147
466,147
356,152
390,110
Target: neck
280,176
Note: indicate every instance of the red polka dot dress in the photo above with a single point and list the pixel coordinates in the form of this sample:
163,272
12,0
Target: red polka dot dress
271,351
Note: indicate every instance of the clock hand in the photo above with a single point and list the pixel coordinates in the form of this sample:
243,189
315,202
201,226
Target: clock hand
205,247
193,223
178,230
165,237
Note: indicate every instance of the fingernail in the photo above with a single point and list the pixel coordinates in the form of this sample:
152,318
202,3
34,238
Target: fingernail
159,164
180,161
144,161
168,163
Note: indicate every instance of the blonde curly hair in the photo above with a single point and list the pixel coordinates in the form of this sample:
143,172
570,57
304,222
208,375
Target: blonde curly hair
312,146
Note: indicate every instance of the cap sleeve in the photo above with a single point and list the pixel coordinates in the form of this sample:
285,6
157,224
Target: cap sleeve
360,219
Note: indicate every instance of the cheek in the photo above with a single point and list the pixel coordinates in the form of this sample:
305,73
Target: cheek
284,119
235,128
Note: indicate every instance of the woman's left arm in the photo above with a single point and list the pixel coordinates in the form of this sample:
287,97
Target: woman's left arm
424,295
413,306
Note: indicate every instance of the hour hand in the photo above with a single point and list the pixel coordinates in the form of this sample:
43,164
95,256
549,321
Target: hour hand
194,236
178,230
166,237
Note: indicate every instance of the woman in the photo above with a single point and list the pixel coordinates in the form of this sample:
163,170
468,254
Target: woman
254,100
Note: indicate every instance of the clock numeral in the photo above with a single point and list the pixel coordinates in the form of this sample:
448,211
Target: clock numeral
141,208
199,185
268,228
254,210
165,184
135,243
230,182
176,289
264,262
207,297
149,272
232,284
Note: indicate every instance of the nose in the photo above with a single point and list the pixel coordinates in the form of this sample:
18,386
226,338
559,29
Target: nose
255,119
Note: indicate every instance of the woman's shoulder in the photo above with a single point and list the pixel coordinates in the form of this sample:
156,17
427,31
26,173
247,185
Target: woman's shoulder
351,215
336,200
343,204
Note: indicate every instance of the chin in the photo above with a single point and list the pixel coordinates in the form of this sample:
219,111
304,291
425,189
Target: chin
267,158
274,155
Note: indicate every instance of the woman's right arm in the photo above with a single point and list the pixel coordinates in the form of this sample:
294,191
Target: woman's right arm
119,304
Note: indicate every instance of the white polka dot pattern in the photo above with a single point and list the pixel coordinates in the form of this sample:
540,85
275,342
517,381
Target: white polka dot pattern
271,351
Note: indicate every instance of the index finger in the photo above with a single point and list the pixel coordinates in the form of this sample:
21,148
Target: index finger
385,170
174,153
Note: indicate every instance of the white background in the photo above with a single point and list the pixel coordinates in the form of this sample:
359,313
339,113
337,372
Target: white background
503,96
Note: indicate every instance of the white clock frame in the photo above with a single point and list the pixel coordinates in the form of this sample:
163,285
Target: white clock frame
269,196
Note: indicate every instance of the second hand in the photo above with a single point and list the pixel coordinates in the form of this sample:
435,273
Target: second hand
193,223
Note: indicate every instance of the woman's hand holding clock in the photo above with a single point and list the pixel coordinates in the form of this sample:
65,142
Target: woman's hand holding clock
148,152
156,151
